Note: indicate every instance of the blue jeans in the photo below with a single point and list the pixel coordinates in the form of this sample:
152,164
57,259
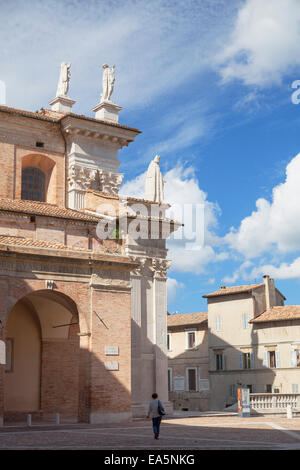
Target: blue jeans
156,424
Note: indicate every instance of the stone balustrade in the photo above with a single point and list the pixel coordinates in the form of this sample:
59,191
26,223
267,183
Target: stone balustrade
274,402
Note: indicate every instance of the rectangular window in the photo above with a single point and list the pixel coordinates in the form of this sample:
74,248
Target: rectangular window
247,360
170,380
297,357
245,320
218,323
191,380
295,388
272,359
191,339
269,388
219,361
169,341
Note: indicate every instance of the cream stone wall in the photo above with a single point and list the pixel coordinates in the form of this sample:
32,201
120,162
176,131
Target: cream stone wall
180,359
232,340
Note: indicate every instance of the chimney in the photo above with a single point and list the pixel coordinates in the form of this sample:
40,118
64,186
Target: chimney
270,294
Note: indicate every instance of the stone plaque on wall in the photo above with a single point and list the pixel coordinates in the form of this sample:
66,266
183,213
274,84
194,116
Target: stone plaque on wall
2,352
111,365
203,385
111,350
178,383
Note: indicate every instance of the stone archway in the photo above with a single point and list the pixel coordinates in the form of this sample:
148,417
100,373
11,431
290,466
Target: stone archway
42,372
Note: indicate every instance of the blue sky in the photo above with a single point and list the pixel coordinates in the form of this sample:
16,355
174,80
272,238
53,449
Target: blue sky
209,84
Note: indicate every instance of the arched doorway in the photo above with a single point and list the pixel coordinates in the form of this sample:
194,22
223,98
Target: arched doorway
42,371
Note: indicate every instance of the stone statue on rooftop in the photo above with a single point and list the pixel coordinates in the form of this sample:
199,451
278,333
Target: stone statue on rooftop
108,80
64,79
154,189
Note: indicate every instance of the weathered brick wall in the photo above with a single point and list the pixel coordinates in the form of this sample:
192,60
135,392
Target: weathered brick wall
111,390
74,380
7,158
60,376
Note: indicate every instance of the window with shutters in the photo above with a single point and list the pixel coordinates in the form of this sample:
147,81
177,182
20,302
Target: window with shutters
33,184
295,388
272,359
219,361
245,320
218,323
297,357
247,361
190,339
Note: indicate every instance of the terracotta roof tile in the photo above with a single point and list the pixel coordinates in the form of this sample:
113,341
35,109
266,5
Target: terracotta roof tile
22,241
187,319
233,290
42,208
279,313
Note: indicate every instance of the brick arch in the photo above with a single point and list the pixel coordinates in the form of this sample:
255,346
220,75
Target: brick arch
48,167
50,355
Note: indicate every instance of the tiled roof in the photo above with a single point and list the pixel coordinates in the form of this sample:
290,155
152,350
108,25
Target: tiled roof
42,208
28,242
187,319
233,290
279,313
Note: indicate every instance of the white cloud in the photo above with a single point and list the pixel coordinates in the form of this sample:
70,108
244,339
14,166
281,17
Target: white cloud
150,43
195,245
172,289
275,224
283,271
264,43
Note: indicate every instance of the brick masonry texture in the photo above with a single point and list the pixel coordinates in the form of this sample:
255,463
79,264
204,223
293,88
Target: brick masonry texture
48,241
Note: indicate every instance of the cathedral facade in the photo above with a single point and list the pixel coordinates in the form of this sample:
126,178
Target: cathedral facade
83,297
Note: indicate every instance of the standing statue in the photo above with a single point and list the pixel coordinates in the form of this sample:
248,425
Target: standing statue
108,80
64,79
154,190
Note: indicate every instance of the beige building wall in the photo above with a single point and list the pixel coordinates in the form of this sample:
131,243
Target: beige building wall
188,390
259,355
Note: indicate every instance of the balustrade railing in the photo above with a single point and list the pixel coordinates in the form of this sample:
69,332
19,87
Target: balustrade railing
271,401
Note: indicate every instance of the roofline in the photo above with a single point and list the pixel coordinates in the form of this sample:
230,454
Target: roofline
58,120
246,291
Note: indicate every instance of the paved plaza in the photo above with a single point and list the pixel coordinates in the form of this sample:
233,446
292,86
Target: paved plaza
211,432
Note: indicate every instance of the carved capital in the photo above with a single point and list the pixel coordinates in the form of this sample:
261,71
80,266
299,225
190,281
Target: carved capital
81,178
160,267
109,181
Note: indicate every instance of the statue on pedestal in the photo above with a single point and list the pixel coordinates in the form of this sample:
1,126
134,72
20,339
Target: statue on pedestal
64,79
154,190
108,80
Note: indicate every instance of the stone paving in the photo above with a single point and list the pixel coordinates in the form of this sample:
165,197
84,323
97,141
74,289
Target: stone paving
209,432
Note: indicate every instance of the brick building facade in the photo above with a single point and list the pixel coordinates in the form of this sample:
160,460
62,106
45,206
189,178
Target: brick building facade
82,317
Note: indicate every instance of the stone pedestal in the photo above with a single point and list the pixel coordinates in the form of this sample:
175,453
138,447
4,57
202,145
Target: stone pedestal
107,111
62,104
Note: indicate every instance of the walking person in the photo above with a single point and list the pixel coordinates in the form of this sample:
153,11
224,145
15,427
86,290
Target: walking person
156,412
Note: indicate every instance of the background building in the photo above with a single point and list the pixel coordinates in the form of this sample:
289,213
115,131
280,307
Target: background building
188,361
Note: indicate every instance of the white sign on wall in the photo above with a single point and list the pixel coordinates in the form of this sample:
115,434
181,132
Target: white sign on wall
178,383
2,353
203,385
111,365
111,350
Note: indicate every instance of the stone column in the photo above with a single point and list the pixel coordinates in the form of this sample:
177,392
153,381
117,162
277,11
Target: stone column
160,267
136,341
